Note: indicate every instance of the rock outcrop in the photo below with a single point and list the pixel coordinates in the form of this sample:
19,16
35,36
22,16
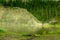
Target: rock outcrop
18,20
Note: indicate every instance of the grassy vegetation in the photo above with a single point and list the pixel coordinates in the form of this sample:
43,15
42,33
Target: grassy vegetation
18,36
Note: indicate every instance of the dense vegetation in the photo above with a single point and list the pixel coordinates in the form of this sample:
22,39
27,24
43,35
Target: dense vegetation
43,10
